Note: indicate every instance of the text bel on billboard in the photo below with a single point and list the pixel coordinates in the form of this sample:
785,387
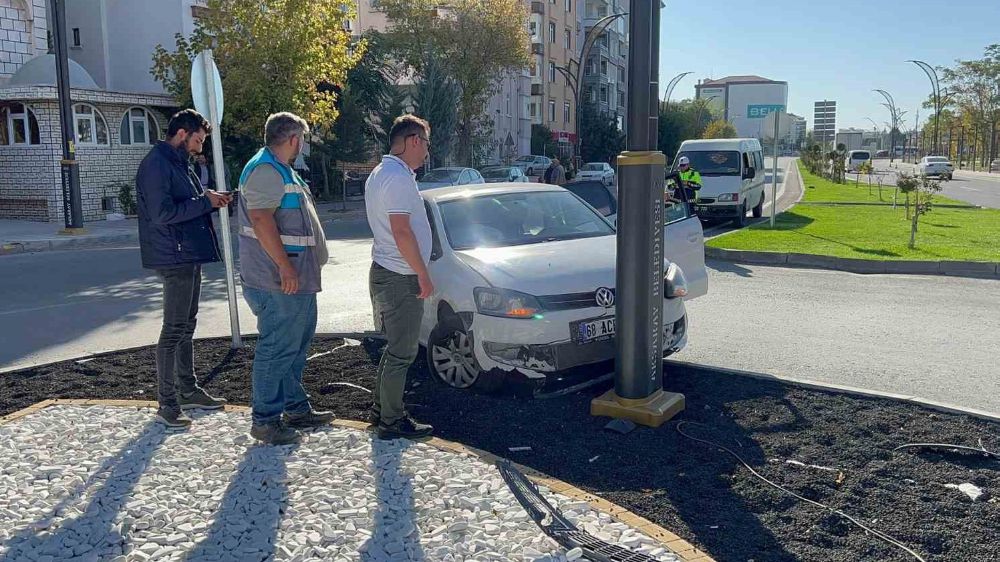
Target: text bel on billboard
762,111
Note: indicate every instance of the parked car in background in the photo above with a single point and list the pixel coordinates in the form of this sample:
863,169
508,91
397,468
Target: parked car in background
881,154
533,165
495,174
444,177
936,166
525,285
597,171
857,157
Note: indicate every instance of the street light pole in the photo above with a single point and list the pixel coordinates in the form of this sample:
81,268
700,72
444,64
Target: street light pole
639,277
72,198
670,87
891,105
936,93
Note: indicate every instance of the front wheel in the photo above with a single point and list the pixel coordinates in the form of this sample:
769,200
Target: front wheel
741,219
451,358
758,210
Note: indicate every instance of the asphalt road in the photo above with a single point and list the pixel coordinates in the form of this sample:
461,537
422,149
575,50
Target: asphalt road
788,193
972,188
936,337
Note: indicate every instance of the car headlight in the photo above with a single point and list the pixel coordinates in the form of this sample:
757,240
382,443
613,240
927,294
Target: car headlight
506,304
729,197
674,283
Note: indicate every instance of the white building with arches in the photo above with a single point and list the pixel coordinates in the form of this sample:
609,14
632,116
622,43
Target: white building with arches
119,111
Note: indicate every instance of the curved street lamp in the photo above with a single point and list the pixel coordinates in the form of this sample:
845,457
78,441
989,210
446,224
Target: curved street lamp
572,69
895,116
670,87
935,92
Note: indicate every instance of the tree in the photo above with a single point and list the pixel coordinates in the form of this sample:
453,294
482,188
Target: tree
396,106
435,97
678,122
922,189
542,143
976,85
476,41
600,139
272,55
719,129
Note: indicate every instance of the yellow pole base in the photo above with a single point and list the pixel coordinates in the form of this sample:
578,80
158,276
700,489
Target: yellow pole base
73,231
651,411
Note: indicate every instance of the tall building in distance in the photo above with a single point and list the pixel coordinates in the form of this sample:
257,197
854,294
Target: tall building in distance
744,101
825,121
605,76
554,27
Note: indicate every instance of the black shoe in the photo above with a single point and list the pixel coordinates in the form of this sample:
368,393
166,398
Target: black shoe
404,428
374,417
200,399
275,433
308,419
172,419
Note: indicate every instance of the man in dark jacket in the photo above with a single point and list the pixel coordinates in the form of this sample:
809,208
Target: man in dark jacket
176,236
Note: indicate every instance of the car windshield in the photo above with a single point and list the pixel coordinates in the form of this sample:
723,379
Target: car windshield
714,162
861,156
515,219
441,175
592,167
936,160
496,173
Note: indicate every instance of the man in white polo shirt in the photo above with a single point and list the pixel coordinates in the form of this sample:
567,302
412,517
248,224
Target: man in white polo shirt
398,280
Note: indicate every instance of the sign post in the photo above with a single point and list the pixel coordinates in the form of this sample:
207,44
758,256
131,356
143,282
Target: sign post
774,172
638,393
206,89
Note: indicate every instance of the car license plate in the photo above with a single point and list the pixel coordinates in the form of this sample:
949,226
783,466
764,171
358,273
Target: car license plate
595,330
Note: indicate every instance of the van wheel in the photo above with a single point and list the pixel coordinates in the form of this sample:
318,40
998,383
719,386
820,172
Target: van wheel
758,211
741,219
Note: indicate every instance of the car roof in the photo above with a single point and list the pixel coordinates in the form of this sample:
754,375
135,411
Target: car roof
449,193
720,144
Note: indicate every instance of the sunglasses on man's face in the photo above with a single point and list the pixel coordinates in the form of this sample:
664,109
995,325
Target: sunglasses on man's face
425,139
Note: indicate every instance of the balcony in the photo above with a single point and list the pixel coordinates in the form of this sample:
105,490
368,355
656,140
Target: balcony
538,8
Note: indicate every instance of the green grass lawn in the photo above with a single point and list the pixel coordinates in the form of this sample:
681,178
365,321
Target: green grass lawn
822,189
871,232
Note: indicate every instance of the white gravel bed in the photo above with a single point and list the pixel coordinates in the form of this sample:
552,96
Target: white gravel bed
96,483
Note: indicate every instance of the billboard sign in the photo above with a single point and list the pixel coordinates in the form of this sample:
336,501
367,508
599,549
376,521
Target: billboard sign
760,111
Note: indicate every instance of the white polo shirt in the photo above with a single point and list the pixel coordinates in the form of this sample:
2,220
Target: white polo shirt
391,189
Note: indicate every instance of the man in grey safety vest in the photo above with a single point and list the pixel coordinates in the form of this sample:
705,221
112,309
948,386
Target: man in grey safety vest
282,250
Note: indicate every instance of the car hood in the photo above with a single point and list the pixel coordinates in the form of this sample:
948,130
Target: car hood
549,268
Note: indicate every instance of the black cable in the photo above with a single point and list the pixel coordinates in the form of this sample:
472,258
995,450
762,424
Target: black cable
878,534
982,451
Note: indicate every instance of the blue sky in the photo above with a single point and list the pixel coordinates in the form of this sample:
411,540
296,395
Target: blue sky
826,50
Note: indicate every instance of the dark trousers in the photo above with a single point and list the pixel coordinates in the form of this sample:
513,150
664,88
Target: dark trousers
398,313
174,353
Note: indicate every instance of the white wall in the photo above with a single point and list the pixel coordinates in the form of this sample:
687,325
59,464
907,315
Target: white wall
23,24
134,28
88,17
748,105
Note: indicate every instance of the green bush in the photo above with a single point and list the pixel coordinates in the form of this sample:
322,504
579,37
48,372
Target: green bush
126,198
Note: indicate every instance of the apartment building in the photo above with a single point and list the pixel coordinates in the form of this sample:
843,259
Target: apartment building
555,39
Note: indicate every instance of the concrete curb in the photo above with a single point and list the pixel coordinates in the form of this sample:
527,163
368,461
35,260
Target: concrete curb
66,243
678,546
979,270
844,389
873,204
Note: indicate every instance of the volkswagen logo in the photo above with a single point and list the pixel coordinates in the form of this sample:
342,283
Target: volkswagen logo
605,297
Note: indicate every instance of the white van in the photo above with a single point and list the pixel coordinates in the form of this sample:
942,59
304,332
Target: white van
732,176
857,157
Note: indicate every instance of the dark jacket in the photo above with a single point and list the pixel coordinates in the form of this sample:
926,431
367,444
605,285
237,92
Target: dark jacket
175,215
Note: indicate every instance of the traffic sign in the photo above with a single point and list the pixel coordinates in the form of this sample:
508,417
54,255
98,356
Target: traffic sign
200,86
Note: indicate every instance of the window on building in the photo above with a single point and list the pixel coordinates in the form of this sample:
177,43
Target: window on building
533,110
534,69
566,112
604,94
621,75
90,125
621,98
552,32
604,68
589,93
569,5
139,127
18,125
552,71
76,36
552,110
533,29
621,49
567,39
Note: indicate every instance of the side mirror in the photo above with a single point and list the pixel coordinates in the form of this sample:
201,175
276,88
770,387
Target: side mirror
749,174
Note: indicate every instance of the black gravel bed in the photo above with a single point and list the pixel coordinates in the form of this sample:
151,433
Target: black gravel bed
697,491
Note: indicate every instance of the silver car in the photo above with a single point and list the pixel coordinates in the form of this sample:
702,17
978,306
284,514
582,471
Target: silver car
496,174
445,177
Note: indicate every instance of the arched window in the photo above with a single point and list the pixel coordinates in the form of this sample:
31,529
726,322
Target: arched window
139,127
91,128
18,125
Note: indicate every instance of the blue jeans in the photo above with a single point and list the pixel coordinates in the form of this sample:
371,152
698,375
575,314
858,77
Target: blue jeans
287,324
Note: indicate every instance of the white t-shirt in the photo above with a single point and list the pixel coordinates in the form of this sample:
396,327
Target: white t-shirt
391,189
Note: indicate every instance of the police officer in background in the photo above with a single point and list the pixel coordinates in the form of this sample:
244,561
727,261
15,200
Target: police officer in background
690,178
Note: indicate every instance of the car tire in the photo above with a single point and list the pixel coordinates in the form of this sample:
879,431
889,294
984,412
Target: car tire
741,219
450,355
758,210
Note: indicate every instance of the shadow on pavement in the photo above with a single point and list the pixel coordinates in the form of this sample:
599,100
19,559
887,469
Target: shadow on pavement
395,532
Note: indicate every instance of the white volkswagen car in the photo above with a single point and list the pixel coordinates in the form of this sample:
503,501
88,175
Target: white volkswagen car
525,284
